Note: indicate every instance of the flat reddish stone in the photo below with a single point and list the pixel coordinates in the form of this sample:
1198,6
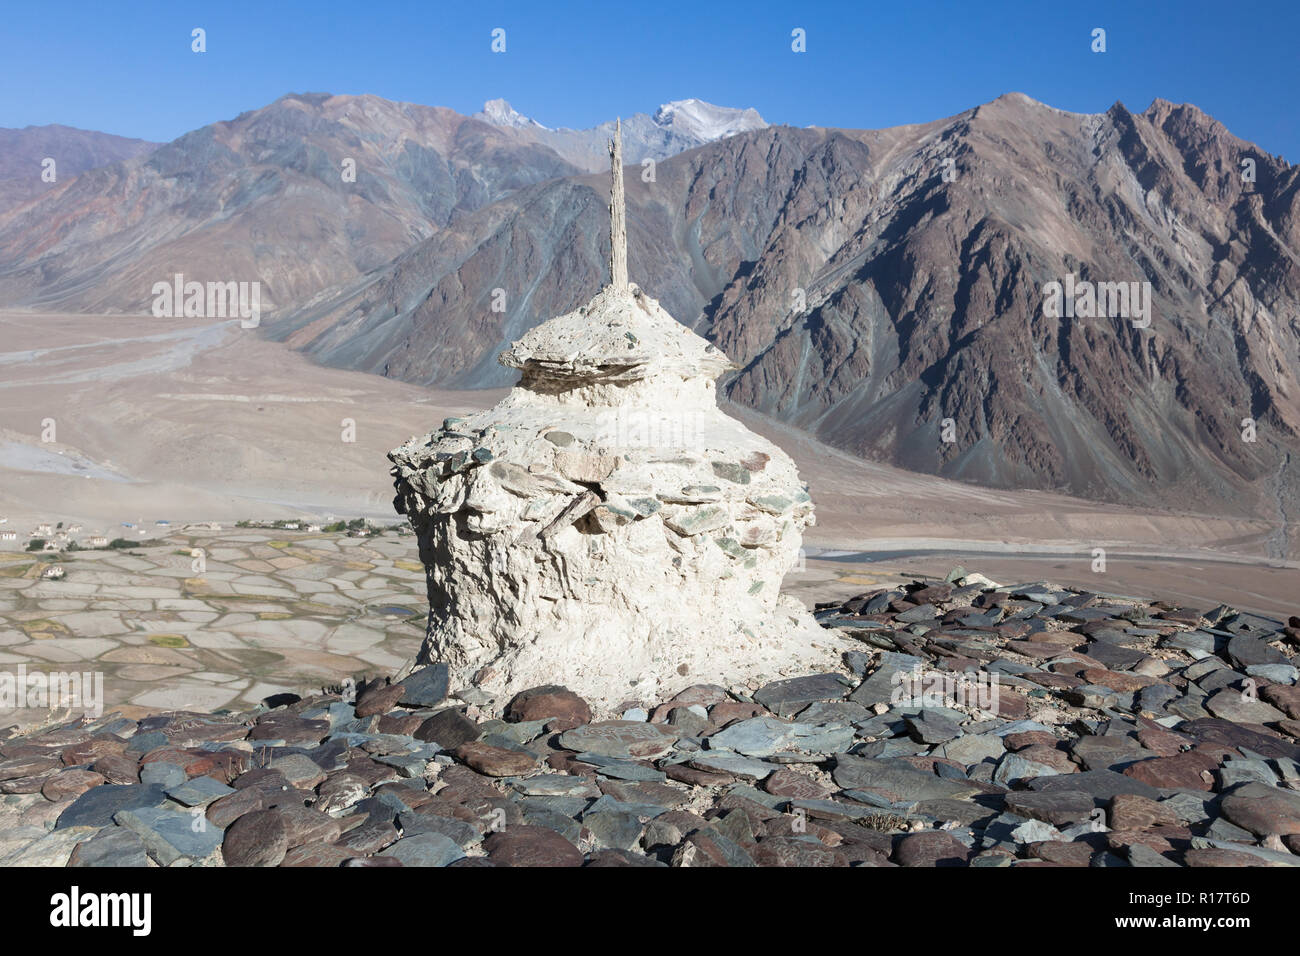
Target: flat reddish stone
495,761
222,766
226,810
1029,738
33,784
723,713
1061,853
118,768
1263,810
1285,698
1053,757
1012,706
371,837
1158,740
526,845
791,851
795,785
1216,858
255,839
317,854
29,766
379,699
1129,811
697,778
1119,839
1180,771
1057,681
92,750
931,848
549,701
1118,680
303,825
70,783
404,724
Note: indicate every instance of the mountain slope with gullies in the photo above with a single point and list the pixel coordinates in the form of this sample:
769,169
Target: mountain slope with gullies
264,197
924,295
25,155
881,290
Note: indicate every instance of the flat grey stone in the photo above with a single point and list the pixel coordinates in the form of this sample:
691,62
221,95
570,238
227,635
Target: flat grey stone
1013,769
619,738
607,804
1102,784
785,698
757,737
895,778
1232,704
426,687
464,835
199,792
553,785
171,836
973,748
1244,651
97,806
112,846
1277,673
932,728
735,764
883,686
164,774
1059,808
1222,829
613,830
425,849
566,826
1139,855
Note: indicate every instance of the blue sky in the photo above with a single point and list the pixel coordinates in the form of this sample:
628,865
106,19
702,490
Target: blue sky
127,68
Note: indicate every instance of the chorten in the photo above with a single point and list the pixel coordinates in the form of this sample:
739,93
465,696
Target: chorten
606,526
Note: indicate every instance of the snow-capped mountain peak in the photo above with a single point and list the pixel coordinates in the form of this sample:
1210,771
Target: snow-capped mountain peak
500,113
704,121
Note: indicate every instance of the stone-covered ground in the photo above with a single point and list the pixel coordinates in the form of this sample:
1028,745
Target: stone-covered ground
1122,733
267,611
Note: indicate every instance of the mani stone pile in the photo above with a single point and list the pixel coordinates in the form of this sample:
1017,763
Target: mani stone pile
1121,733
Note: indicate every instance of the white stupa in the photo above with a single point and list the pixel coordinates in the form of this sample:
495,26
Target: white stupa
606,526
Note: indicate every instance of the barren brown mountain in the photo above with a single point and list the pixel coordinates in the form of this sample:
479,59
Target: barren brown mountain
24,173
919,255
265,197
924,296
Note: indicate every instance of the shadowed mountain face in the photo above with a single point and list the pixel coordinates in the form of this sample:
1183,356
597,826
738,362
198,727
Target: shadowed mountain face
923,295
23,153
883,290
